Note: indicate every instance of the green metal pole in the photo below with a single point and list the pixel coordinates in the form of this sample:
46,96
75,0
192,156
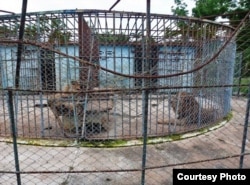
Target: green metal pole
14,136
145,94
243,146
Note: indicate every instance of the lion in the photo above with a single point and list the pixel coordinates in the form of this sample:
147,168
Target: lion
189,111
69,107
185,105
74,86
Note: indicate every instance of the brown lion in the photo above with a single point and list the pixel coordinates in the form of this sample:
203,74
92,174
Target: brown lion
65,103
57,99
68,107
185,105
189,111
74,86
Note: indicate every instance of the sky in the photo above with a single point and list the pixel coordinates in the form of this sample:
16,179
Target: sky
157,6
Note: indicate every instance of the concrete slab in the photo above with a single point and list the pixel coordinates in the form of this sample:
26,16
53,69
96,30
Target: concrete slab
112,166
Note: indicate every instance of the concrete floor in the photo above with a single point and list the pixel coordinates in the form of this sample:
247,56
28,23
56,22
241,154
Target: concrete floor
113,166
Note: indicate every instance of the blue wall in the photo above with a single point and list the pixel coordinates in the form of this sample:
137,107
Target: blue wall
173,60
120,59
29,70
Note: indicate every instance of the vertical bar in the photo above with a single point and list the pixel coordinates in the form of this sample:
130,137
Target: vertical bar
239,75
42,116
13,130
20,45
145,94
243,146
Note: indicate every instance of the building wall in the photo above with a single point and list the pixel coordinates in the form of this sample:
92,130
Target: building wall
176,59
121,59
29,71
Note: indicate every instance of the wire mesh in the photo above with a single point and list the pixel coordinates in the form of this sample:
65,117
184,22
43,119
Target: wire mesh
83,72
83,78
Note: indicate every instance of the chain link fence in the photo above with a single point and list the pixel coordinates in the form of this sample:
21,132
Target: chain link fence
98,98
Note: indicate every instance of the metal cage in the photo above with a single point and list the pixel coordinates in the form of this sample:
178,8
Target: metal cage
95,74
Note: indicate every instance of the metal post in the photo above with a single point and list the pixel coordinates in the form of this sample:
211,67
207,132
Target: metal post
20,45
145,94
14,137
245,130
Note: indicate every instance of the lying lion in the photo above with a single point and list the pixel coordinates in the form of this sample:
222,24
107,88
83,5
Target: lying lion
189,111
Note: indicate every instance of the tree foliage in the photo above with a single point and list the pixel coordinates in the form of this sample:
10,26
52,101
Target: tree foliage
186,30
235,16
110,37
212,8
180,9
233,10
57,33
45,30
4,31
